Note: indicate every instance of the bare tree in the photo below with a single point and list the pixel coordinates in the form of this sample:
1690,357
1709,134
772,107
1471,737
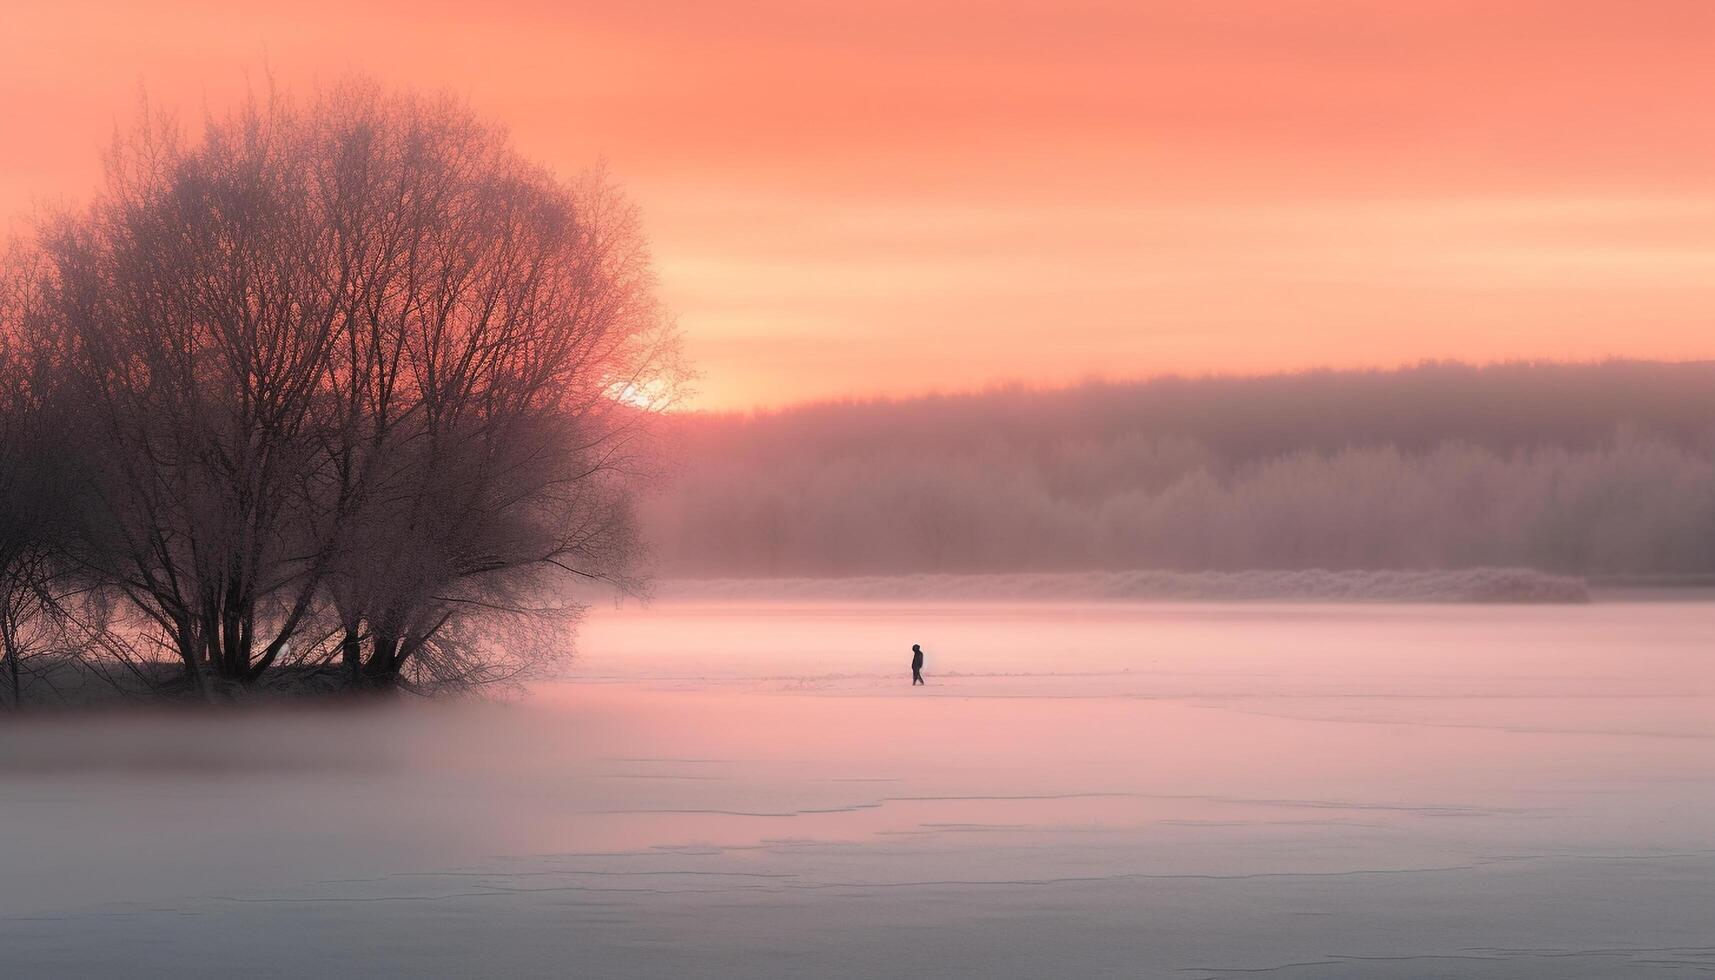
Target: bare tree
37,495
488,386
196,303
358,372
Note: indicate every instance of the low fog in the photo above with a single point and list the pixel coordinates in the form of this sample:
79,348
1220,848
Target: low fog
1602,470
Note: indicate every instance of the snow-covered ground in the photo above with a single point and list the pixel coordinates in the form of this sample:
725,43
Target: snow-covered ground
752,790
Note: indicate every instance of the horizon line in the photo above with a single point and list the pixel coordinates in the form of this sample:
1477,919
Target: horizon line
1020,386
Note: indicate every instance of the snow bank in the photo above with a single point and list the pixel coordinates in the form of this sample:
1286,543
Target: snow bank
1463,585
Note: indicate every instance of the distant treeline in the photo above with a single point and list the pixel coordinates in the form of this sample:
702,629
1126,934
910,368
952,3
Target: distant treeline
1593,469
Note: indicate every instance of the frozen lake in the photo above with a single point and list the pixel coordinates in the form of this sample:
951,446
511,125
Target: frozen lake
1152,790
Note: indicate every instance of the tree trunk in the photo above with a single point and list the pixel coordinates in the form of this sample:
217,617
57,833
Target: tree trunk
351,652
382,670
8,633
235,659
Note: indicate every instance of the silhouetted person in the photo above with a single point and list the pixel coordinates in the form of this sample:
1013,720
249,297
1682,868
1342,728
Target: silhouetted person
916,665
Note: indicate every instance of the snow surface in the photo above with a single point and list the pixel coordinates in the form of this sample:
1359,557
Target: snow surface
1082,790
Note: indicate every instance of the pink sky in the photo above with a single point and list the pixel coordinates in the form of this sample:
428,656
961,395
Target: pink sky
888,197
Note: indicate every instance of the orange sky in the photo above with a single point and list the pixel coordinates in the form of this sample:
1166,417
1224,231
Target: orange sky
889,196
